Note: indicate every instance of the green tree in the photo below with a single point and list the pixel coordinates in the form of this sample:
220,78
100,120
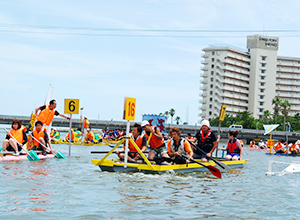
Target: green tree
276,101
266,116
172,113
177,119
166,114
286,106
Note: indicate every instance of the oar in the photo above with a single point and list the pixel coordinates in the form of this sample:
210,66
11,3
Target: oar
122,152
214,171
222,166
32,156
57,155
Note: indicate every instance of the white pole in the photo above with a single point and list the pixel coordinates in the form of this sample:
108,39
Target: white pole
70,134
126,144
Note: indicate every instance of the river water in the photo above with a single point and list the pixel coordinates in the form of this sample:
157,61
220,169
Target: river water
73,188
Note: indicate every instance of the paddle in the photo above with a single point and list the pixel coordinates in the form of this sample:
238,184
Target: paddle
222,166
31,156
214,171
57,155
122,152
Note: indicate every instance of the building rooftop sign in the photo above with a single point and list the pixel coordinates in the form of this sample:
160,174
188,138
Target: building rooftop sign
263,42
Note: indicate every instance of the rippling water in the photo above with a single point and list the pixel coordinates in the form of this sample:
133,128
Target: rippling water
74,188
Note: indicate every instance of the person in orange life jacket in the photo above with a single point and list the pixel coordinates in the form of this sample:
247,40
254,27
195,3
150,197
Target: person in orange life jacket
66,139
178,147
89,138
47,113
206,141
41,135
280,147
10,144
189,137
86,125
139,139
157,144
234,147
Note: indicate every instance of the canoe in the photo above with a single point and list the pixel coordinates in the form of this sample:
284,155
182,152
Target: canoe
286,155
9,157
77,143
116,165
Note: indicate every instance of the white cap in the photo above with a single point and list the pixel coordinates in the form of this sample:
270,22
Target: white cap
205,122
85,117
144,123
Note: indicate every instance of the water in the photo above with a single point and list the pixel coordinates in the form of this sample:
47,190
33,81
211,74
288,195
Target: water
75,189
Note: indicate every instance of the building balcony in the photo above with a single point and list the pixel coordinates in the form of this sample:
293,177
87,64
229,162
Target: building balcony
204,56
204,68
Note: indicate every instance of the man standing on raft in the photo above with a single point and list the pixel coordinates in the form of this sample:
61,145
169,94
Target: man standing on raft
47,113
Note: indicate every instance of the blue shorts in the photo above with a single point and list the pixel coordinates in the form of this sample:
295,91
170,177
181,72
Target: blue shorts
234,154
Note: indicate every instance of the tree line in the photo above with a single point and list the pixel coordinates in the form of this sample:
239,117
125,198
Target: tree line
172,112
281,108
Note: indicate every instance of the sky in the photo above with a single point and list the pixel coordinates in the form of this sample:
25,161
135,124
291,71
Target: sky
102,51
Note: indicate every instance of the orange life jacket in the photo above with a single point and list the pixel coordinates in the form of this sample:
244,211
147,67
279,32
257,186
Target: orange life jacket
138,141
86,123
17,134
278,146
39,135
90,136
154,141
72,135
292,147
46,116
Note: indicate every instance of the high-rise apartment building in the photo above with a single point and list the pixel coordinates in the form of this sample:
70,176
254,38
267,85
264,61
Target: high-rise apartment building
248,80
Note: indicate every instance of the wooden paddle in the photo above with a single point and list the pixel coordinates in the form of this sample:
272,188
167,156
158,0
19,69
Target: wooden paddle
29,156
214,171
222,166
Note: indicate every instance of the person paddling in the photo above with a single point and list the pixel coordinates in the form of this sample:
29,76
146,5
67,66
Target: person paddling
41,135
178,148
207,142
234,147
15,139
47,113
139,139
156,141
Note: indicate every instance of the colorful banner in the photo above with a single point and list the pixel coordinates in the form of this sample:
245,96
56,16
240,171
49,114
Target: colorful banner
269,128
156,120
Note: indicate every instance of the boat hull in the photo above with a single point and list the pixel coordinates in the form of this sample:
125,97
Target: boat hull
23,157
115,165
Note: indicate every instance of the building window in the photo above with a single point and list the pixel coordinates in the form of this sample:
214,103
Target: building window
262,90
210,106
263,65
262,84
211,86
261,110
211,92
261,97
260,116
263,71
213,53
212,72
263,58
212,66
210,99
212,59
209,113
262,77
261,103
211,79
